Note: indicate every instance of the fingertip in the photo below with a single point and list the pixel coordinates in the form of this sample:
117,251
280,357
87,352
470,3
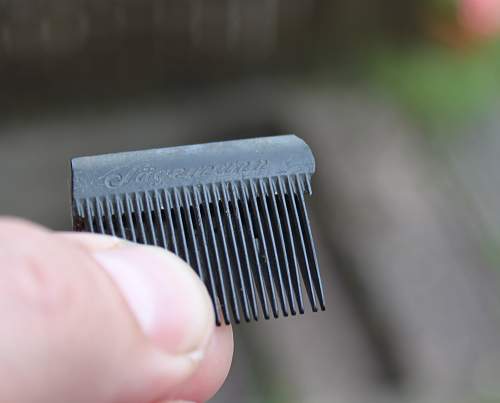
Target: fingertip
213,370
142,317
94,242
14,227
169,302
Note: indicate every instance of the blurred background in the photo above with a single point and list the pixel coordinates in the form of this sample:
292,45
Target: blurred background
399,100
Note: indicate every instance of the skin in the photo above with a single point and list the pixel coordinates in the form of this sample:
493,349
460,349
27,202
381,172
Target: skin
89,318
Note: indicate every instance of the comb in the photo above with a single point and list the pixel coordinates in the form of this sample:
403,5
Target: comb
234,210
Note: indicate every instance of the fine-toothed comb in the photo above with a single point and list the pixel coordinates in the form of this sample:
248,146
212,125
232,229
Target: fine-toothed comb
233,210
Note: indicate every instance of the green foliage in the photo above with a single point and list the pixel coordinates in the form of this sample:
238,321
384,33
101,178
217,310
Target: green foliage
444,6
440,86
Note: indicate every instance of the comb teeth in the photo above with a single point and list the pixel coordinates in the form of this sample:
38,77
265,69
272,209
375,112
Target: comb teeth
248,238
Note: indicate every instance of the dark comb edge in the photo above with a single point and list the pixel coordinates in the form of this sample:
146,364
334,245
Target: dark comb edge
259,227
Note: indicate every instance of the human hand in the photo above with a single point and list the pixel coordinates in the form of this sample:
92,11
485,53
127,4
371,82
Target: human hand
92,319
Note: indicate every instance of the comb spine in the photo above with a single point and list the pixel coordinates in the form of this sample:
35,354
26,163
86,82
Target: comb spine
310,243
290,245
243,246
306,268
80,211
99,215
169,208
138,215
158,209
109,216
149,218
120,211
308,183
180,223
201,227
284,293
223,235
218,264
130,221
252,244
192,233
235,254
89,218
265,257
281,244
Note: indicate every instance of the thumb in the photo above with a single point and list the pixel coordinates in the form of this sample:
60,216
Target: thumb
125,324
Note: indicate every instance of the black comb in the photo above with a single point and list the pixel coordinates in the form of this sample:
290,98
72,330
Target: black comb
234,210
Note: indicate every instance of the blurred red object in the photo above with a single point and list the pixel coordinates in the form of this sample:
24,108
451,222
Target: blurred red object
480,17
